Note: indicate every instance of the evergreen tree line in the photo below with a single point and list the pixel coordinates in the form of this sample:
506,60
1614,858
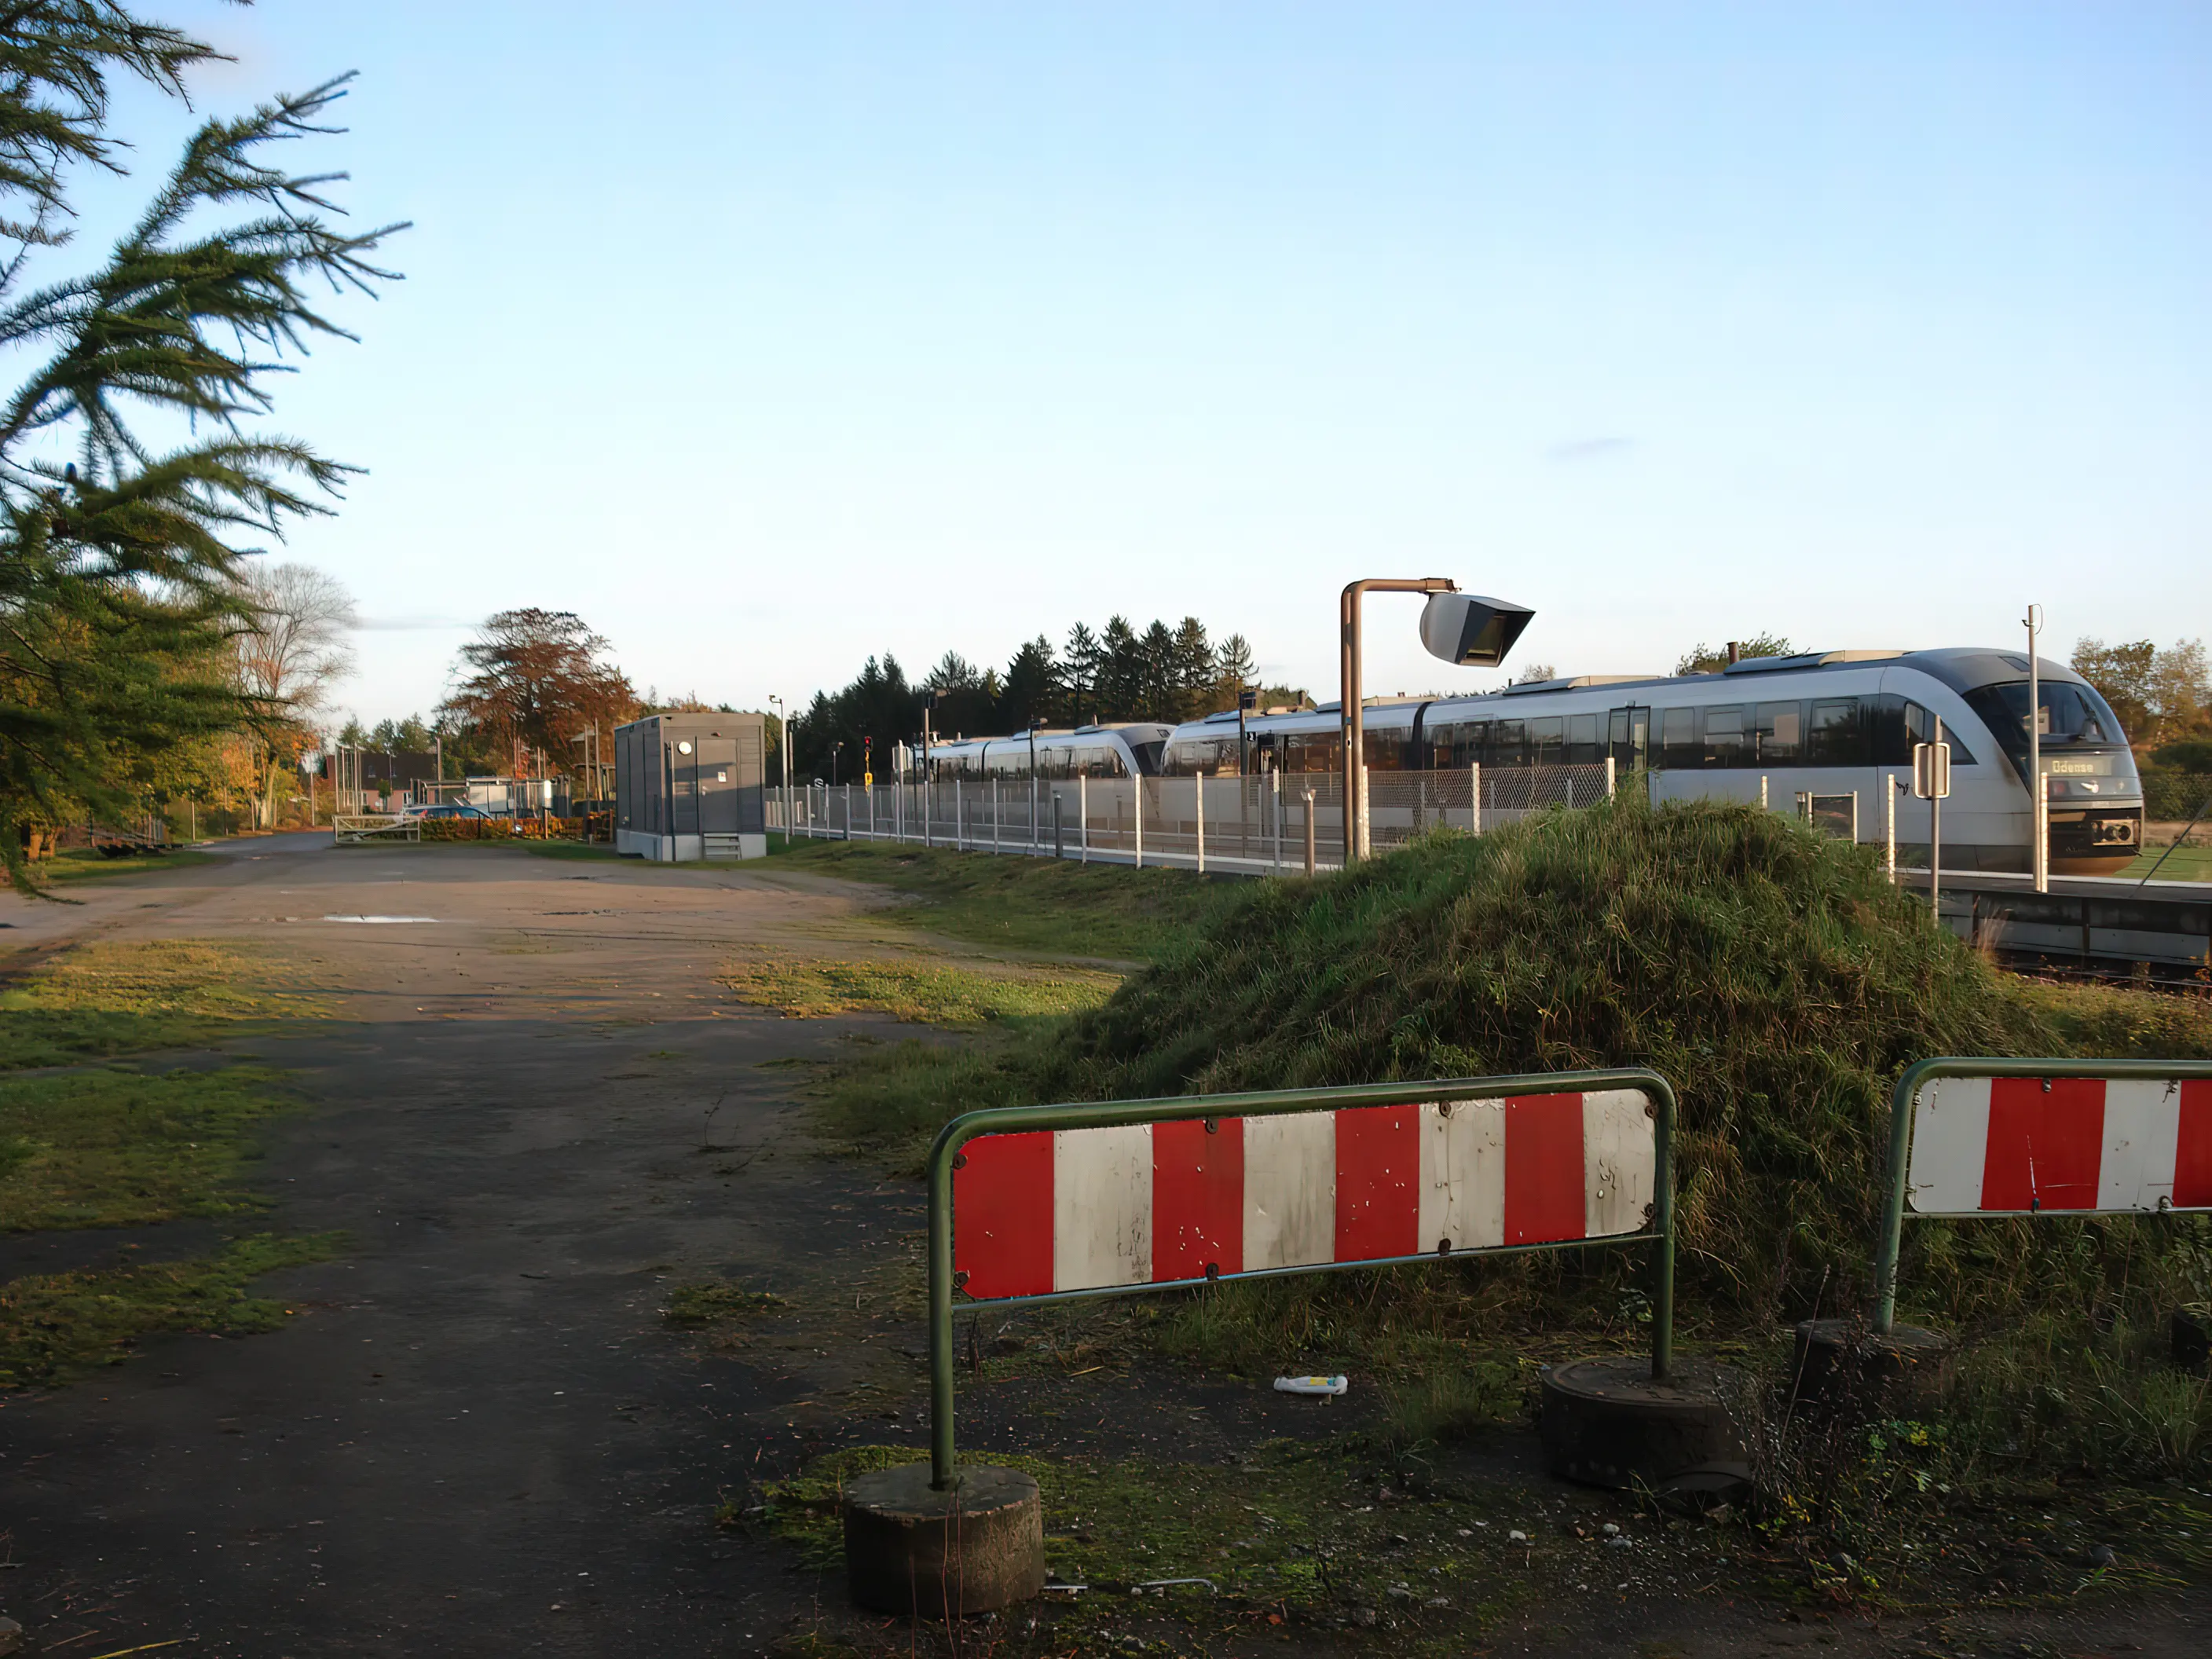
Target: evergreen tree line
1098,677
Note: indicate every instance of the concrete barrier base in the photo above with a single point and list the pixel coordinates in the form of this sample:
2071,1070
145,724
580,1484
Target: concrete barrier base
910,1549
1840,1364
1608,1423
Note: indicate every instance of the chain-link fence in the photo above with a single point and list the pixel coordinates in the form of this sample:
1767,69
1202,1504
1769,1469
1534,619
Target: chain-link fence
1268,822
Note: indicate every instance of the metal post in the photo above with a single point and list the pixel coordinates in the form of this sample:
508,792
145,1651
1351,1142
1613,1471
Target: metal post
1275,782
1137,794
1363,847
1889,829
959,816
1936,843
1351,721
1198,789
1309,832
995,814
1083,817
1474,796
1762,790
2038,791
1611,782
1059,843
848,811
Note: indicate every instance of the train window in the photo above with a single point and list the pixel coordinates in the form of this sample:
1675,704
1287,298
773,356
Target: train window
1777,734
1583,747
1313,751
1459,744
1508,745
1011,761
1899,723
1836,735
1147,754
1727,744
1209,757
1678,739
1386,750
1548,740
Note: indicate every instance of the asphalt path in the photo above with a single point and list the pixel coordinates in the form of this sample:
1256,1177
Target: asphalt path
480,1435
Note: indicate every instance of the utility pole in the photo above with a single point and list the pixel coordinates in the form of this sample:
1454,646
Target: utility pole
2039,807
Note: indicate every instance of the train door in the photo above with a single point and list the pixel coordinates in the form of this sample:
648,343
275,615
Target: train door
1628,738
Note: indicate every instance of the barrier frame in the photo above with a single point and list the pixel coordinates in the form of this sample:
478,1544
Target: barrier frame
1904,1097
1659,1228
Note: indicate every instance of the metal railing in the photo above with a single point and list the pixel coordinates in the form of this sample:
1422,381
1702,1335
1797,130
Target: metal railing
1265,823
945,1156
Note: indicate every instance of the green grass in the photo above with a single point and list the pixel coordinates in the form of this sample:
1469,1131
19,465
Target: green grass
1055,906
104,1000
923,993
82,864
99,1147
1771,973
2185,864
55,1327
1287,1527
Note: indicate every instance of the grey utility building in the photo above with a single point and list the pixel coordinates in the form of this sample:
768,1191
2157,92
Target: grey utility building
691,786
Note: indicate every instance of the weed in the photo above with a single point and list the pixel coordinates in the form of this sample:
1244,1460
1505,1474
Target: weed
53,1327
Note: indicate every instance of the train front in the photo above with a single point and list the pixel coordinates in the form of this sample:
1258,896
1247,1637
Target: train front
2089,772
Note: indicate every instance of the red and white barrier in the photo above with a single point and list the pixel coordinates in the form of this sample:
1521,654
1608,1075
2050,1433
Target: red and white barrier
1064,1210
1984,1146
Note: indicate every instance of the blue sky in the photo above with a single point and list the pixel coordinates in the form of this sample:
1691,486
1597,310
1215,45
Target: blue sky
766,338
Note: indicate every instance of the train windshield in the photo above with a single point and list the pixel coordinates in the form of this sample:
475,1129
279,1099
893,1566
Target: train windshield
2073,718
1148,756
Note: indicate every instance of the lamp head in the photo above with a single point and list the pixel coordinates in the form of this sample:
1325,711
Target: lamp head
1471,630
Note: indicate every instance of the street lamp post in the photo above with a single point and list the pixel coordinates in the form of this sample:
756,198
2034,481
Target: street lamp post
783,725
1460,628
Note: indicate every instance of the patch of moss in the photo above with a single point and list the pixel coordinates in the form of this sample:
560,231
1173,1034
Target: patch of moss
712,1302
57,1326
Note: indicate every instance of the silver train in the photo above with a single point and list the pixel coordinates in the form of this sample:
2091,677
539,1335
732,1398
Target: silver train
1835,727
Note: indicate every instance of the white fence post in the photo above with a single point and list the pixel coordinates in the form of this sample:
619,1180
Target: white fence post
1198,785
1610,784
1137,795
1474,796
1083,817
1275,782
1366,842
995,815
959,816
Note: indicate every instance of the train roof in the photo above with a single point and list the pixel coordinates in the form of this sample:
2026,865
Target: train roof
1959,667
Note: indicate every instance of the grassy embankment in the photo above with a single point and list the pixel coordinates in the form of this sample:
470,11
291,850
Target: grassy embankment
1771,974
93,1132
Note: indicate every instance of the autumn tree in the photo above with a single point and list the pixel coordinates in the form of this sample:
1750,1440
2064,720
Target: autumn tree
2160,696
120,547
535,680
1702,658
